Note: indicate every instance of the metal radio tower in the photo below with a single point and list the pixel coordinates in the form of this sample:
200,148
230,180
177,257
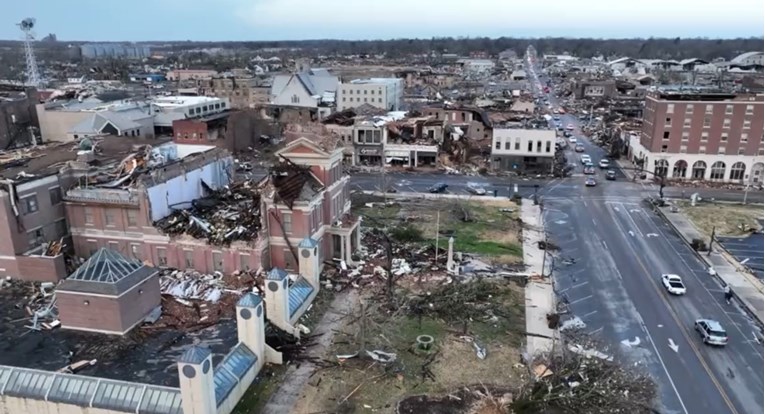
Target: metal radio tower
33,74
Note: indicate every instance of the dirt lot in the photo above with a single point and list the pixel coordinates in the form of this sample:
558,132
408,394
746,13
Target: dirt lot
364,385
489,228
725,218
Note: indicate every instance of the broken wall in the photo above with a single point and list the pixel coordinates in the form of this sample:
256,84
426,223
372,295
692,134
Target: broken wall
179,192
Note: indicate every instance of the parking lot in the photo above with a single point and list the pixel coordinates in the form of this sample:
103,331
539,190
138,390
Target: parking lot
747,250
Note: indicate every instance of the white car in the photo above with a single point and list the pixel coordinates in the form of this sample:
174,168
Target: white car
586,159
572,139
476,188
604,163
673,284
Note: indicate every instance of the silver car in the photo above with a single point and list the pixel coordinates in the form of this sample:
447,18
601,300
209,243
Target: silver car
712,333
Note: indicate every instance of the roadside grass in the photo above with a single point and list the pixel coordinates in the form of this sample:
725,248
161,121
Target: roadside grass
725,218
362,385
492,228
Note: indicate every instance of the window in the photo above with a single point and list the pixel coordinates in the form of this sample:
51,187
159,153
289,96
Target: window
728,109
517,144
507,145
703,149
709,109
161,256
379,100
721,150
724,137
670,108
683,149
371,92
744,137
55,196
36,237
704,136
718,171
88,215
31,204
188,256
726,123
741,151
343,98
685,135
109,217
539,146
132,218
60,228
666,134
135,251
668,121
365,91
244,262
531,146
747,124
295,99
287,222
351,91
687,122
688,109
365,99
358,99
548,146
217,258
707,121
749,109
664,148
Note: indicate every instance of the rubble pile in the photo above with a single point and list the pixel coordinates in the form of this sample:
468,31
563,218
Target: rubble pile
38,300
226,215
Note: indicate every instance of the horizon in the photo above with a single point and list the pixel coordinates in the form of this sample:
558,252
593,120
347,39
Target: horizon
363,20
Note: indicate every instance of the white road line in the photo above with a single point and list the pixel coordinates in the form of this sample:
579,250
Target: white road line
666,371
580,300
578,285
588,314
634,223
413,190
596,331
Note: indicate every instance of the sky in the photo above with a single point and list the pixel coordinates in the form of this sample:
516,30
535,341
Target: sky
257,20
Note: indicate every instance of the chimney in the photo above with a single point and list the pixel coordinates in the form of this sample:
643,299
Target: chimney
195,374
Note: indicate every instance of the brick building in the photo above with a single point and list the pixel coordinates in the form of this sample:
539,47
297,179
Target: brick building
701,136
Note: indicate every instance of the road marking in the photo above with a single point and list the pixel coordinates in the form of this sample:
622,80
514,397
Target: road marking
413,190
589,314
596,331
580,300
688,339
634,223
673,345
573,287
630,344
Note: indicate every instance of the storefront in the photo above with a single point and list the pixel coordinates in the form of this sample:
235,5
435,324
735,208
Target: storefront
369,155
411,155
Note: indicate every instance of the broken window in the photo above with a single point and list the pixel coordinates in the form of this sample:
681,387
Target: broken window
55,196
287,222
747,124
88,215
132,218
161,256
217,258
188,258
36,237
749,109
539,146
244,262
728,109
377,136
724,136
31,204
744,137
60,228
707,121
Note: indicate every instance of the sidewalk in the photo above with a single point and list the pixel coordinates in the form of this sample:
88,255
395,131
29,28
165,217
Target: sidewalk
540,297
745,287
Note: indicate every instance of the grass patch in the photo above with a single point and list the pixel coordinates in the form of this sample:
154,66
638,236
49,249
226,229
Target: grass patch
497,321
489,228
726,219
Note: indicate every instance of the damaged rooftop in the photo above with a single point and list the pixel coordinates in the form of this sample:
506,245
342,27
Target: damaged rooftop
146,354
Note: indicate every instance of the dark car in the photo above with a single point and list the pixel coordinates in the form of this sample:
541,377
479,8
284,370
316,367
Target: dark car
438,188
611,175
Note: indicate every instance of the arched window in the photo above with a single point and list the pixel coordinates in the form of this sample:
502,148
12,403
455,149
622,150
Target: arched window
681,167
699,170
660,168
737,171
717,171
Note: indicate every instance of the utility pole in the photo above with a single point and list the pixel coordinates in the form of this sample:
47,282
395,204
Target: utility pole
438,225
711,240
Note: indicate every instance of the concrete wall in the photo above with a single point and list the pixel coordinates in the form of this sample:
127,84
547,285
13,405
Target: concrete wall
54,124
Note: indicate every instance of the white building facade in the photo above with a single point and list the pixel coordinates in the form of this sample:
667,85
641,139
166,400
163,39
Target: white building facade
383,93
523,150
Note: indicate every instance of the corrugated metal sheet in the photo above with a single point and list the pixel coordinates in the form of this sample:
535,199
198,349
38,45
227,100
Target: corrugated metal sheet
118,395
28,383
161,400
299,292
239,360
72,390
225,381
5,372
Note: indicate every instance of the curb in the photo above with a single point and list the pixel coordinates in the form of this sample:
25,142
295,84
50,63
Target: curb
744,306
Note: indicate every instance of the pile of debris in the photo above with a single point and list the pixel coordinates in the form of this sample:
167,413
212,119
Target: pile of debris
226,215
39,303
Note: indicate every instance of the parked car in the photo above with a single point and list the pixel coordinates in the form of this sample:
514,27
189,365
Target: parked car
712,333
572,140
476,188
556,118
611,175
570,127
604,163
673,284
567,134
579,148
438,188
590,182
586,159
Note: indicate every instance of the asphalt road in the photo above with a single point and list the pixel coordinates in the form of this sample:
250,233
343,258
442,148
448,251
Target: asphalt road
613,249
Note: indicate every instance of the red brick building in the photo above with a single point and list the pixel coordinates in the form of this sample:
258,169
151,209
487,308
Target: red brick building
702,136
